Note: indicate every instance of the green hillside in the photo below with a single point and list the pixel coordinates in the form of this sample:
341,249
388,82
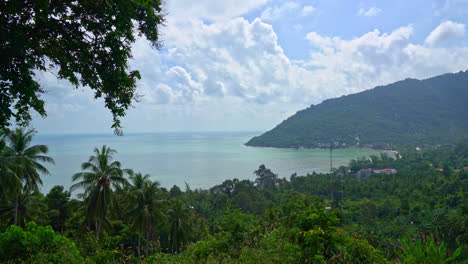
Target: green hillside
408,112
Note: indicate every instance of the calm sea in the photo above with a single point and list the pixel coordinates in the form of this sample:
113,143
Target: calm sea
200,159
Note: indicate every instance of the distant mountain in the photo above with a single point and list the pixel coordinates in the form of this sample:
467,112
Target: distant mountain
408,112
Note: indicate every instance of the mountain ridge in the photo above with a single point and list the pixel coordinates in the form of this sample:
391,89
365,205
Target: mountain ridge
406,112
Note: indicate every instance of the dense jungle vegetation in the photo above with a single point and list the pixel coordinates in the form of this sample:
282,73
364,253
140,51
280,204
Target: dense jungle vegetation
116,215
409,112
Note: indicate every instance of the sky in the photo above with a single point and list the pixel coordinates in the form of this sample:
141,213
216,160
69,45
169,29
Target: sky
246,65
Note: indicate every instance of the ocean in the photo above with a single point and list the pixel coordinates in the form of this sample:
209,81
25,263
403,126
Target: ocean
201,160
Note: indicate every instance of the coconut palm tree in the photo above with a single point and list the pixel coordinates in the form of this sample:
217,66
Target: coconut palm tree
100,174
179,220
28,206
147,211
8,178
23,163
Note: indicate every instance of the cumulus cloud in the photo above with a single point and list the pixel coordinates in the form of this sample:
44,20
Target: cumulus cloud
446,31
377,58
212,10
236,58
213,73
242,59
370,12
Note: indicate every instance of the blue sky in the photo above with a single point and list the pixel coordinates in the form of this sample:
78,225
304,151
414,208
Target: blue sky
249,64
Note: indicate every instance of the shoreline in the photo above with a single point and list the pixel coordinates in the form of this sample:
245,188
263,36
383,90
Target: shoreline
303,148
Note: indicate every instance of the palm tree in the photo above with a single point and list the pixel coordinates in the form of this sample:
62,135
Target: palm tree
147,210
180,228
7,177
98,177
28,206
57,201
22,163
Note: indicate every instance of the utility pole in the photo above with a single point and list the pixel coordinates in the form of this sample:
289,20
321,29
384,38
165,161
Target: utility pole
331,174
342,183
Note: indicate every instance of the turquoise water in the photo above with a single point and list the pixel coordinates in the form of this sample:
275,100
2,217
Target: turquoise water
200,159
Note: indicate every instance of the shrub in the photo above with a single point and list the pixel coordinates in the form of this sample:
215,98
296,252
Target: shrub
426,250
37,244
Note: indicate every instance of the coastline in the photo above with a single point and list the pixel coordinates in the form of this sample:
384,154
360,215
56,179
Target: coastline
302,148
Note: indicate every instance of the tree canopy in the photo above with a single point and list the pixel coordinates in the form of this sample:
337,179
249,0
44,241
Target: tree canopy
419,214
86,42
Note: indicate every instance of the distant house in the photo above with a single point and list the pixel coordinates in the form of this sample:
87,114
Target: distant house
439,169
386,171
366,172
458,170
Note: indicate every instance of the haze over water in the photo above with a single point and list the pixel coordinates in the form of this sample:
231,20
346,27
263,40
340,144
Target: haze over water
201,159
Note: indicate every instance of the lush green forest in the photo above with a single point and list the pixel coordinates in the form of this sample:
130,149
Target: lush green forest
409,112
116,215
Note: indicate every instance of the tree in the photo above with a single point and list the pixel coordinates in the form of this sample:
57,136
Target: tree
57,202
175,191
147,210
25,207
24,161
265,177
88,42
368,212
179,224
8,178
98,177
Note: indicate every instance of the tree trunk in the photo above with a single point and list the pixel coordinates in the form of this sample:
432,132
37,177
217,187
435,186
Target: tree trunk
147,241
15,219
101,216
139,246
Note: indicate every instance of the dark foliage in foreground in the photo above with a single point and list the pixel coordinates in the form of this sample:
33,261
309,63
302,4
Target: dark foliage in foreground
85,42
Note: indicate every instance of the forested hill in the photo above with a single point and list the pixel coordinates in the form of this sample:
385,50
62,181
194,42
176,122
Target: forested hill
408,112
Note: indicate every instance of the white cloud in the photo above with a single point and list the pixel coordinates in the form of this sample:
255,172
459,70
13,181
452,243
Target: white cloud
59,110
308,10
241,59
375,58
209,70
73,107
287,9
370,12
298,27
447,30
451,8
234,75
275,12
212,10
236,58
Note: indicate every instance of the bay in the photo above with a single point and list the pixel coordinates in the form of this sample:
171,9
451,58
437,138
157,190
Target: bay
200,159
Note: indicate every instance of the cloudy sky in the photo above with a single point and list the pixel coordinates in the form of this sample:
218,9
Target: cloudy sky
237,65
